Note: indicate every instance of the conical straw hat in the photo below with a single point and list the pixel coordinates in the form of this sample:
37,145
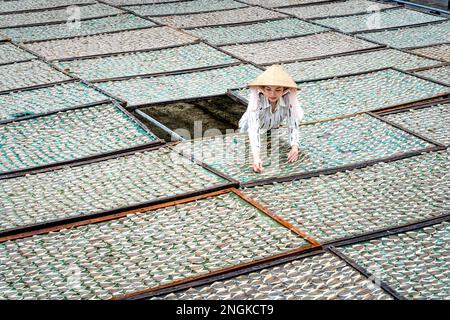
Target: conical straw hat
274,76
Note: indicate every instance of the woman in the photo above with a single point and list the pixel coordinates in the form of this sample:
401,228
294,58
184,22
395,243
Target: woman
273,98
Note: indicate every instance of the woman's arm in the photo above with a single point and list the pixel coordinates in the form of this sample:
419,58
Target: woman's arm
255,142
293,136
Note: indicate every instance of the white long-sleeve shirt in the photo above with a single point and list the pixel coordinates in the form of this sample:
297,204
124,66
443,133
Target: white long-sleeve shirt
263,118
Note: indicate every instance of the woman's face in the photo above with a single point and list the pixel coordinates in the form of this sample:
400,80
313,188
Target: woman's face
273,93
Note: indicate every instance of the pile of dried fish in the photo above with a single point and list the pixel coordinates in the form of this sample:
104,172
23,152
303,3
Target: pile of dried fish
434,33
221,17
379,20
321,277
415,263
325,99
132,2
99,186
184,7
431,122
332,207
322,146
130,64
57,97
441,74
335,9
440,51
68,135
11,53
13,6
181,86
89,11
28,74
110,43
303,47
260,31
116,257
278,3
354,63
84,28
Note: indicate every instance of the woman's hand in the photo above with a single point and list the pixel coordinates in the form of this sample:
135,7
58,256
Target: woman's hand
257,165
293,154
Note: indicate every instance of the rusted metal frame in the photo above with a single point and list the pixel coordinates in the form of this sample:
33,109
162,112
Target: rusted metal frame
272,39
192,158
51,65
295,5
46,8
422,77
102,216
433,80
349,167
37,169
354,14
21,46
394,28
380,47
403,106
383,113
319,79
111,214
399,27
231,54
347,75
235,97
73,79
95,160
138,4
389,231
107,55
444,64
137,122
123,8
210,277
367,72
276,217
187,13
40,58
38,86
386,232
400,127
371,277
29,170
420,7
228,275
48,113
355,35
169,73
233,24
172,73
434,11
174,136
132,107
425,46
88,35
98,103
39,24
117,99
443,61
18,61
